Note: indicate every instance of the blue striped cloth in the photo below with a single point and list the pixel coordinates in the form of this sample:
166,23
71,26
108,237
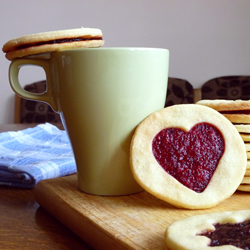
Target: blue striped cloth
34,154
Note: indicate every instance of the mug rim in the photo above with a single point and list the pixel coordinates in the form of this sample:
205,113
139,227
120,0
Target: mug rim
113,49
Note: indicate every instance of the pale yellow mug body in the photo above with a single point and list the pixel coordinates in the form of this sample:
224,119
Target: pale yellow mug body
101,95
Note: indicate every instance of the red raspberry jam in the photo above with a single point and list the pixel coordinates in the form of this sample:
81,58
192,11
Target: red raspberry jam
190,157
237,234
239,112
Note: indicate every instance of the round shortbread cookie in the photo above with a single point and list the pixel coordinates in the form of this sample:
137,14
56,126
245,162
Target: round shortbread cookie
248,156
247,173
248,165
246,180
187,234
238,118
247,146
244,187
245,137
242,128
152,176
237,111
46,42
226,105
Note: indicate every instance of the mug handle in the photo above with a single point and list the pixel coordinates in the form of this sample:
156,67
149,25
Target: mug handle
47,96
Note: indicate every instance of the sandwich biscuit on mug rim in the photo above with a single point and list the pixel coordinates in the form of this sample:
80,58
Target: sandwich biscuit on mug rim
40,43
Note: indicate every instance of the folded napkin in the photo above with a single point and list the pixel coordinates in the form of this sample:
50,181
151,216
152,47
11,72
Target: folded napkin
34,154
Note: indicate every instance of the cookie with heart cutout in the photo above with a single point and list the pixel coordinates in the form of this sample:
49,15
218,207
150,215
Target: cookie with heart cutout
40,44
188,155
223,230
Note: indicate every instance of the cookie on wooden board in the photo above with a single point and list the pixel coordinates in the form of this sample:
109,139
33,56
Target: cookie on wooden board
187,154
226,105
244,130
248,155
236,111
244,187
223,230
238,118
45,42
245,137
247,173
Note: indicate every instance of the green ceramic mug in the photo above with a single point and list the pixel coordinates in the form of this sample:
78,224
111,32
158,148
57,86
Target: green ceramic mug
101,95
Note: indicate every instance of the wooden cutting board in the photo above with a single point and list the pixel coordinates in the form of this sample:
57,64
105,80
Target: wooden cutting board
126,222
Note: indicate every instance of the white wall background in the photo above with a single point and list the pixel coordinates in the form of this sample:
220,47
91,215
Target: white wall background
206,38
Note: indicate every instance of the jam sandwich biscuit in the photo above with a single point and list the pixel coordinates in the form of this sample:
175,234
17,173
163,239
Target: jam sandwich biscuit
53,41
245,183
244,130
238,112
186,155
244,187
223,230
248,155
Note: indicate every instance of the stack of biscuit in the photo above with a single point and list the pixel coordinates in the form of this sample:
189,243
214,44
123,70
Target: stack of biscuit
237,112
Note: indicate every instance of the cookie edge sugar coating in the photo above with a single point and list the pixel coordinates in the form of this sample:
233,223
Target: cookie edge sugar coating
226,105
154,179
11,52
188,228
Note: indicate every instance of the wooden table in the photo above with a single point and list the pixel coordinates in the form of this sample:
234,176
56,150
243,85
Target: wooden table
134,221
26,225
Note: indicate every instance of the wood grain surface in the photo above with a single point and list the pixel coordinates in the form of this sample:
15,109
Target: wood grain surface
26,225
125,222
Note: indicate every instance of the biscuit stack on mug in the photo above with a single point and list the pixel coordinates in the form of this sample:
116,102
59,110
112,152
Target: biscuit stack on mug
237,112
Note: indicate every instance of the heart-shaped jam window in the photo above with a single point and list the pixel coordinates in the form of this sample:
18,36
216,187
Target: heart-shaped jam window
190,157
